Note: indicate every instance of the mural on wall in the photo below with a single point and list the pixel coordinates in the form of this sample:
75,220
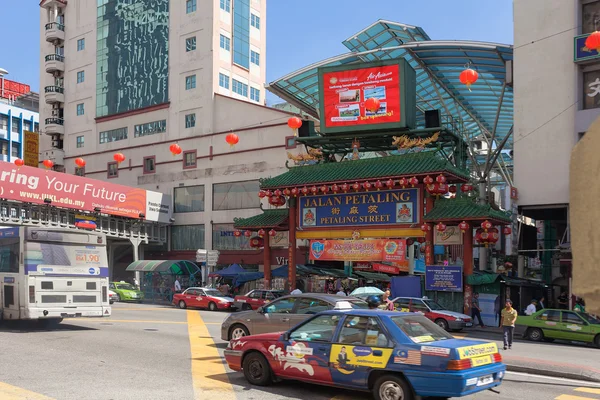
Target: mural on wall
132,55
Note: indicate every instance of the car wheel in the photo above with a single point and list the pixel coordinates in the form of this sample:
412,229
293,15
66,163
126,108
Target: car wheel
442,323
246,307
536,335
597,340
257,370
392,387
238,331
111,302
117,298
212,306
182,304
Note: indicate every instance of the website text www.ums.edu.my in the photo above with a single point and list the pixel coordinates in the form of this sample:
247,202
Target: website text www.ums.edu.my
55,200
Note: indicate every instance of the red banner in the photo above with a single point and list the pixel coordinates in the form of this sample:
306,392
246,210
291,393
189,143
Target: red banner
386,269
393,250
345,93
35,185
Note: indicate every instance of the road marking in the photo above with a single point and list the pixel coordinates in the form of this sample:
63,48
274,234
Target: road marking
142,309
571,397
588,390
553,378
109,320
8,392
209,378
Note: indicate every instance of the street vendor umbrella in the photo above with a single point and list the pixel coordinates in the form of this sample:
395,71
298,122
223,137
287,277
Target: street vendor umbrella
366,291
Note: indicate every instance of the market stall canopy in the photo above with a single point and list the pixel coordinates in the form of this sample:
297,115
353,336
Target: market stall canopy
306,270
244,277
485,278
373,276
182,267
466,208
231,271
268,219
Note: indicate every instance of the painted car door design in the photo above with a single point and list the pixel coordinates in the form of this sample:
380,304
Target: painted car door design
305,308
201,299
275,316
574,328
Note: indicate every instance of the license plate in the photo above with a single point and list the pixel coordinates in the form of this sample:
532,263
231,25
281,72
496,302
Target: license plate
242,301
479,361
469,324
485,380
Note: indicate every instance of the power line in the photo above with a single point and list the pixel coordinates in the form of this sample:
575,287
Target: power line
546,37
545,123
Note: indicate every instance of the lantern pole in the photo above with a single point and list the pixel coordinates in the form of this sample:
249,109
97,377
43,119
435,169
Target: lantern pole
267,261
467,268
292,244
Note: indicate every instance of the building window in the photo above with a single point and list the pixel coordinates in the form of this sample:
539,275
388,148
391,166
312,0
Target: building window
591,89
235,195
4,147
187,237
80,109
226,5
80,141
149,165
224,238
590,17
16,125
113,135
254,57
189,159
225,42
254,94
239,88
36,127
80,171
190,6
4,122
241,33
27,125
15,150
190,82
112,170
190,44
188,199
80,44
80,76
223,81
255,21
190,120
150,128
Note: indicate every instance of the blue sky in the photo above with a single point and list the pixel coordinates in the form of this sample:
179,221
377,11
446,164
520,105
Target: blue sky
298,32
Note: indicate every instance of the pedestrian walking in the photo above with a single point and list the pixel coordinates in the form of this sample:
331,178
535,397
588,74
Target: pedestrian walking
509,317
531,308
563,301
540,305
177,286
389,305
476,310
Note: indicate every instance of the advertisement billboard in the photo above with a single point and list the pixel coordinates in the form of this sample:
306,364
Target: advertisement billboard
451,236
344,90
443,278
382,207
31,149
390,250
34,185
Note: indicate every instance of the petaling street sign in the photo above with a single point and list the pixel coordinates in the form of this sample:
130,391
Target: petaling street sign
379,207
379,250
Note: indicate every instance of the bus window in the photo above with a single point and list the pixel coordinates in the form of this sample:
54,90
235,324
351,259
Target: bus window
9,255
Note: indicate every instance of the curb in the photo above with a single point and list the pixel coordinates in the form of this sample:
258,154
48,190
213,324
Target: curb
550,373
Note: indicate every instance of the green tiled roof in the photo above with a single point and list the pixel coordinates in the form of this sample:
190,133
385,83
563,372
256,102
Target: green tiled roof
464,208
428,162
268,219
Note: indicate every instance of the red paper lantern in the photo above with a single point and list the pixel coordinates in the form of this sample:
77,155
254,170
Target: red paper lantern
356,186
232,139
441,227
175,149
592,42
272,232
257,242
294,191
324,189
345,187
440,178
277,192
335,188
314,190
304,190
463,226
277,201
413,181
378,185
295,123
426,227
421,240
452,189
80,162
261,233
409,242
247,233
19,163
372,104
487,238
486,225
367,185
268,193
48,164
287,192
465,187
468,77
507,230
237,233
262,194
119,157
437,189
428,180
403,182
389,183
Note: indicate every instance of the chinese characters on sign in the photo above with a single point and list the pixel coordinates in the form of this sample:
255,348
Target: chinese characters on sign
385,207
31,149
358,250
443,278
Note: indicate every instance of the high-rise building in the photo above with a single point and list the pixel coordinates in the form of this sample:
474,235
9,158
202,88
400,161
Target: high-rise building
135,76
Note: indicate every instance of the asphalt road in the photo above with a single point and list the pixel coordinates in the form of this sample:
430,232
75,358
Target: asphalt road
150,352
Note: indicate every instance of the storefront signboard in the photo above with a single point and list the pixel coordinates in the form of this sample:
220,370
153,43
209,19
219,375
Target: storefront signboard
443,278
389,250
31,149
451,236
386,269
344,90
582,53
381,207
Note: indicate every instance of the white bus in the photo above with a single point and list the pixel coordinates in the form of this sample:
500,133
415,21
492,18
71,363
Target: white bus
50,274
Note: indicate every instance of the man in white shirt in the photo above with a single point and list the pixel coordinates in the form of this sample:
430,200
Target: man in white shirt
177,286
296,291
341,293
531,308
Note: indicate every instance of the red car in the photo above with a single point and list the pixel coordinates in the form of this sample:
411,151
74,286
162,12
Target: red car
256,298
449,320
208,298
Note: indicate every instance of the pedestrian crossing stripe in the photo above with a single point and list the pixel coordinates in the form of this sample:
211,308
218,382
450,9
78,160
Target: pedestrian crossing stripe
587,390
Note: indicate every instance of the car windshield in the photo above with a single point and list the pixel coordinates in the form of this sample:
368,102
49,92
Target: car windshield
590,319
126,286
420,330
277,294
213,293
433,305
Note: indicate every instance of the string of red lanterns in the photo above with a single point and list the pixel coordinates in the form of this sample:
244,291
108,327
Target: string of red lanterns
48,164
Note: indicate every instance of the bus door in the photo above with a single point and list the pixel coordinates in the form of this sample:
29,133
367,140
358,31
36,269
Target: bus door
10,297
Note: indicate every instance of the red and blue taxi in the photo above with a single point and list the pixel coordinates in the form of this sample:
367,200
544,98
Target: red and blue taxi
395,355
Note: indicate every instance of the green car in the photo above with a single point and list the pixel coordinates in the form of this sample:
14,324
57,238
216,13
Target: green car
126,292
550,324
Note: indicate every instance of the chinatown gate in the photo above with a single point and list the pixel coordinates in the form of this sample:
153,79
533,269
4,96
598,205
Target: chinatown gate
386,170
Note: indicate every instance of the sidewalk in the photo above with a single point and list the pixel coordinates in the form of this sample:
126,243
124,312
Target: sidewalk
560,359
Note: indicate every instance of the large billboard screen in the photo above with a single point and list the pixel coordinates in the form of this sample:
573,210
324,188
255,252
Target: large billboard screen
34,185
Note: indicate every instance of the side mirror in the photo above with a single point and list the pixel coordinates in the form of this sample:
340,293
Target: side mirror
286,336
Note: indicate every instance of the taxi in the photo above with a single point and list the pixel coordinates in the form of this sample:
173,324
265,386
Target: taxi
394,355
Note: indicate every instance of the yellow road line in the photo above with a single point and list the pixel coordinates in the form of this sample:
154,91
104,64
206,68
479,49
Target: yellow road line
588,390
104,321
142,309
570,397
209,378
8,392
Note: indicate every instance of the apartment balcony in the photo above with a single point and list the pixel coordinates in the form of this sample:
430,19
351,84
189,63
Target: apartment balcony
55,126
55,32
55,63
54,94
57,156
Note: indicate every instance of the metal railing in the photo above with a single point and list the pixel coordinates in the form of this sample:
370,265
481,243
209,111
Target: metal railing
55,57
54,120
54,89
55,25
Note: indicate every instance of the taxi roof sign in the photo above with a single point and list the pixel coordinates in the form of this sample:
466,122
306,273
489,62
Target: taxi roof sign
343,305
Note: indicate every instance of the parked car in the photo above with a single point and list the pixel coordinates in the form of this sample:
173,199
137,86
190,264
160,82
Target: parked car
208,298
126,291
281,314
393,355
449,320
256,298
549,324
112,297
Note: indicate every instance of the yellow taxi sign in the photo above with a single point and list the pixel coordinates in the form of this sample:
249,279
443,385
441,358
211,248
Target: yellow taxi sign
479,350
